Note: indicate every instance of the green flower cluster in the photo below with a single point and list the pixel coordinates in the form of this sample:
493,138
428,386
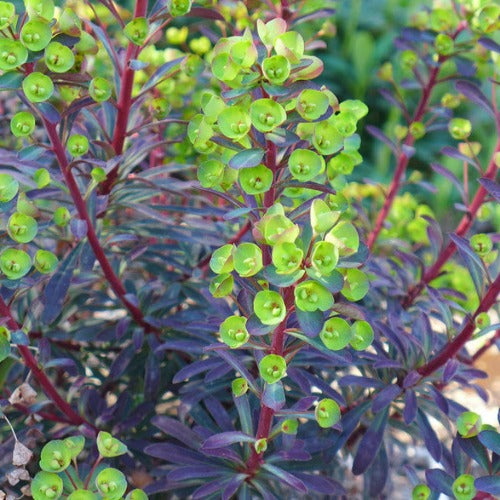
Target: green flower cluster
58,461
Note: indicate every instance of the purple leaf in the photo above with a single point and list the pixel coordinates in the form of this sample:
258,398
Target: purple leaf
205,13
489,44
194,471
474,94
377,133
226,439
457,155
475,450
219,413
192,369
233,486
439,481
431,440
274,396
488,484
450,369
310,323
378,473
490,439
440,400
411,379
410,409
492,187
177,430
370,443
321,484
360,381
208,489
385,397
449,175
175,454
286,477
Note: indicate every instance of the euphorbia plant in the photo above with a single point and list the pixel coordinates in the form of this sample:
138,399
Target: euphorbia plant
194,262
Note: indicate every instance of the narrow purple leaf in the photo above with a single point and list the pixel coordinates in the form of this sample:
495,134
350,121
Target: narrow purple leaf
195,471
226,439
474,94
410,409
450,369
195,368
177,430
385,397
441,170
489,44
175,454
378,473
233,486
310,323
274,396
431,440
490,439
475,450
219,413
378,134
457,155
321,484
439,481
208,489
411,379
488,484
492,187
365,382
285,477
440,400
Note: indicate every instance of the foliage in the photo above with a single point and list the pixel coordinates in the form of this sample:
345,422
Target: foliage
203,277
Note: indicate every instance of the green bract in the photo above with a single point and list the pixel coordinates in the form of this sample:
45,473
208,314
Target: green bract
343,163
239,386
70,23
12,54
46,486
22,124
444,44
82,495
287,257
14,263
272,368
78,145
260,445
210,173
221,285
421,492
8,187
45,262
75,445
61,216
159,107
179,7
326,139
481,244
98,174
417,130
100,89
345,237
109,446
7,14
487,18
21,227
36,34
322,217
336,334
247,259
327,413
243,51
111,483
324,257
137,30
362,335
358,108
224,68
460,128
345,123
312,104
234,122
356,285
40,8
38,87
136,495
280,229
290,45
289,426
269,307
305,164
469,424
58,57
255,180
233,331
222,259
276,69
482,320
266,114
312,296
55,456
463,487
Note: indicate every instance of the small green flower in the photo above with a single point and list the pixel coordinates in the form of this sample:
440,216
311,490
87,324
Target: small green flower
322,216
443,19
221,285
136,494
343,163
111,483
234,122
8,187
42,178
312,296
159,107
460,128
75,445
280,229
40,8
451,101
266,114
444,44
109,446
324,257
221,261
345,237
290,45
46,486
269,307
305,164
239,386
100,89
38,87
36,34
409,59
22,124
358,108
469,424
362,335
421,492
210,173
356,285
243,52
12,54
336,334
260,445
272,368
463,487
417,130
82,495
290,426
58,57
177,36
276,69
178,7
482,320
487,18
224,68
14,263
200,45
326,139
21,227
61,216
137,30
78,145
98,174
312,104
287,257
247,259
7,14
45,262
481,244
255,180
233,331
327,413
5,333
345,123
55,456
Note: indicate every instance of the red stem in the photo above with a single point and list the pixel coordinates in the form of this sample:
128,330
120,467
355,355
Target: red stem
81,207
124,100
462,229
452,348
403,158
48,388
